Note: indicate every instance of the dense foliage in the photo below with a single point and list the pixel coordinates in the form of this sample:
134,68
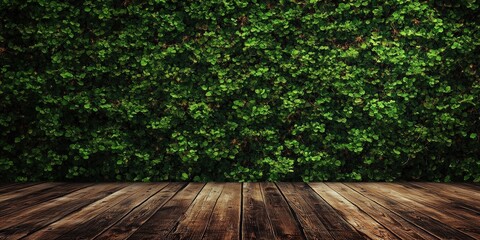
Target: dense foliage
239,90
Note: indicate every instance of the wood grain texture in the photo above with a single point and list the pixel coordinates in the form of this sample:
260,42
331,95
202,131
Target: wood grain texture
24,192
196,219
471,186
12,207
333,222
167,217
410,210
44,214
9,187
396,224
465,198
285,226
312,226
106,219
90,217
364,223
445,205
239,211
255,219
225,219
138,216
437,208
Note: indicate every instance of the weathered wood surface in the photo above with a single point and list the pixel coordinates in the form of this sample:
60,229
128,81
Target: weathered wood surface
240,211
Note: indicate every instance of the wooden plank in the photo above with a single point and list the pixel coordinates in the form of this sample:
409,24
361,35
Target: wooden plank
464,198
459,201
333,222
44,214
282,211
14,186
23,192
471,186
99,223
256,223
12,207
454,189
312,226
225,219
197,217
390,220
454,208
80,219
168,216
285,226
434,208
422,216
362,222
136,218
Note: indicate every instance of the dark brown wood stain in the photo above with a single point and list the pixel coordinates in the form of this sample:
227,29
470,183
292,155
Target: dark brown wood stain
168,216
256,222
409,210
239,211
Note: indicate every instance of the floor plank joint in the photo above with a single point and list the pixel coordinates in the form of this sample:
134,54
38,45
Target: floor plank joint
239,211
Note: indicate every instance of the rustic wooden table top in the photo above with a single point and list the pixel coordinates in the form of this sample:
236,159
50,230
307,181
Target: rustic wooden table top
239,211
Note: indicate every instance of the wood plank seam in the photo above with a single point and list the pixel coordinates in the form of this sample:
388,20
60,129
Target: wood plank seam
211,213
333,221
175,228
225,217
241,213
193,200
21,227
434,202
266,209
367,226
256,222
268,212
124,228
132,209
59,228
449,229
424,235
293,213
241,210
6,212
366,213
458,221
388,209
141,231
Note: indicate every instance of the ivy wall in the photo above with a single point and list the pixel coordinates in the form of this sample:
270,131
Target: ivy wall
237,90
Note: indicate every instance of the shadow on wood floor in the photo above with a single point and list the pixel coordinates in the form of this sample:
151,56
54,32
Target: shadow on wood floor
240,211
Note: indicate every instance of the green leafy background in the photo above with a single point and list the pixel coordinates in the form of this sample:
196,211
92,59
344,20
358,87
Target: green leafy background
236,90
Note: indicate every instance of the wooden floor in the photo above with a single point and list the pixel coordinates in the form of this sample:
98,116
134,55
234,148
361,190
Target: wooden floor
240,211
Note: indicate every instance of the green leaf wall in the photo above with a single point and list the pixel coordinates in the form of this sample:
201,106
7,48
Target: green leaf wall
218,90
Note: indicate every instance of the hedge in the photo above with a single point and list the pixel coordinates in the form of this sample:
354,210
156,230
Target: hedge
218,90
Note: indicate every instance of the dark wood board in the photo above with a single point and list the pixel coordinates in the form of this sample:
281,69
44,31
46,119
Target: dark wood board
405,210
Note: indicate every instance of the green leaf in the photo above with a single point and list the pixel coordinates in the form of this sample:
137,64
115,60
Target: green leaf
66,75
144,62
